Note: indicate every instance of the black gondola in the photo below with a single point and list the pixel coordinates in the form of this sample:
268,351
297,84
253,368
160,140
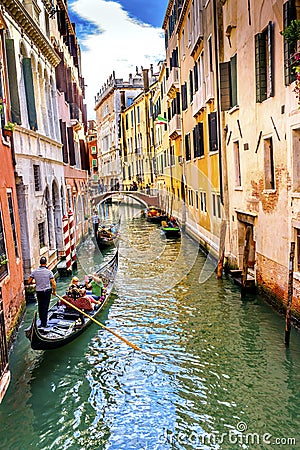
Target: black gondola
107,238
170,229
63,324
155,215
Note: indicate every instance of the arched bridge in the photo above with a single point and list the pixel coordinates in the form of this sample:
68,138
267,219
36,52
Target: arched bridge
141,197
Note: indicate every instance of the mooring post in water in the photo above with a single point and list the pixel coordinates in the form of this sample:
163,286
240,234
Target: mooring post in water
245,260
290,296
221,249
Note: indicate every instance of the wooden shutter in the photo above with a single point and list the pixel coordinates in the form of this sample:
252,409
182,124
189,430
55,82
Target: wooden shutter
233,81
225,86
191,86
13,81
213,130
196,79
84,155
63,132
61,23
71,146
29,89
289,14
201,138
271,59
260,67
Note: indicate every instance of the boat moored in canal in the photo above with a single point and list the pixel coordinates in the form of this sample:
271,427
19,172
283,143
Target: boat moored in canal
108,236
170,228
155,215
62,326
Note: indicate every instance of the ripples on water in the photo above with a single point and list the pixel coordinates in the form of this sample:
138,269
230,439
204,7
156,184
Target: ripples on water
221,364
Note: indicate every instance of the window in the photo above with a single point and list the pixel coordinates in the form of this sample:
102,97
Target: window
12,222
264,64
37,177
94,163
203,201
41,227
198,140
269,164
296,159
237,167
184,96
197,199
187,141
191,86
291,11
228,81
138,113
182,45
3,254
210,54
297,230
212,125
126,121
216,204
129,101
190,197
132,118
93,150
172,156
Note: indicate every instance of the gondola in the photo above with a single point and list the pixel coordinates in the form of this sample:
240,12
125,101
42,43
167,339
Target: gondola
106,238
63,326
170,231
155,215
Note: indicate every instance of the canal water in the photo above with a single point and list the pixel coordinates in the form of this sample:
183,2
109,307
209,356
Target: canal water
222,378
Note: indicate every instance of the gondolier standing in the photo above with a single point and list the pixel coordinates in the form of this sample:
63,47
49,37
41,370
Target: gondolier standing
45,285
95,220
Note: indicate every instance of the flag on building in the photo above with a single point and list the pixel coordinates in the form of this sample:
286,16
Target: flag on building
161,121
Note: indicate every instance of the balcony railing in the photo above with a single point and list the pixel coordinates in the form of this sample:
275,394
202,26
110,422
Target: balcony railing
173,80
209,81
175,126
199,100
197,32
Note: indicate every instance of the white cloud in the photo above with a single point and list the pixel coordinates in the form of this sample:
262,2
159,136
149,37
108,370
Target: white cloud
122,44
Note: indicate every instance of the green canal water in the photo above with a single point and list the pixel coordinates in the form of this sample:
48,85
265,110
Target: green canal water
223,378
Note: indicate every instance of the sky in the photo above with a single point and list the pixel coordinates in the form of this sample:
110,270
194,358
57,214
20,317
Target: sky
117,35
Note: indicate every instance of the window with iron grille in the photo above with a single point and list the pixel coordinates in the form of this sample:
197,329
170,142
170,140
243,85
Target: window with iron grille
291,11
42,240
37,177
93,150
12,222
3,254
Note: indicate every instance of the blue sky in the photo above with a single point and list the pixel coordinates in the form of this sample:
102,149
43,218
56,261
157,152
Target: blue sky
117,35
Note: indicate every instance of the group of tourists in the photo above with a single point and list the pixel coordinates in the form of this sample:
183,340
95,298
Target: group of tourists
87,296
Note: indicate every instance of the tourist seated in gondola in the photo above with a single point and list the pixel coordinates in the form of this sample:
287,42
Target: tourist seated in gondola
94,286
104,233
78,297
172,222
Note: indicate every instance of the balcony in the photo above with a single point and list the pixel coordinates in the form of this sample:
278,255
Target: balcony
209,82
172,83
197,33
199,100
175,127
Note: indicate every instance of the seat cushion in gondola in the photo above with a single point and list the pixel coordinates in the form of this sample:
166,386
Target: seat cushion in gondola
81,303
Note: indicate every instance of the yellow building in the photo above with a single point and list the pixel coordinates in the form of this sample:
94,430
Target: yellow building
191,61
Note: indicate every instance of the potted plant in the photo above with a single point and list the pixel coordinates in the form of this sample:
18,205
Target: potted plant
9,128
292,32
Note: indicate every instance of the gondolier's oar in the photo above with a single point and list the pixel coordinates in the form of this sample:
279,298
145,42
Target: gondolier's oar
134,346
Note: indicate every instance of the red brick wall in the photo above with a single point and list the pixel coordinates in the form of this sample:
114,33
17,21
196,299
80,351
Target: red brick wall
272,279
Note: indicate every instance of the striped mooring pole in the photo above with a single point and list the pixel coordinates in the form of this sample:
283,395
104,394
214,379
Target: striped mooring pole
66,234
72,236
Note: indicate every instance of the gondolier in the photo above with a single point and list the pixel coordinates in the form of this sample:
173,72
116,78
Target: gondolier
45,285
95,220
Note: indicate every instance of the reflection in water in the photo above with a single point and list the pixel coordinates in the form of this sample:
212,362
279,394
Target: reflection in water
223,363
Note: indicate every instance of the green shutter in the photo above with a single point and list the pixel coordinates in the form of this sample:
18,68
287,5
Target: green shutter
13,81
225,86
233,80
29,89
213,137
271,59
260,67
289,14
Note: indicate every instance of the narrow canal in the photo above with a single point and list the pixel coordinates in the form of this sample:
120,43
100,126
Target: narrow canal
223,378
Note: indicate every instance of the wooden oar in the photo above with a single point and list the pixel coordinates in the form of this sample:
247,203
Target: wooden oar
134,346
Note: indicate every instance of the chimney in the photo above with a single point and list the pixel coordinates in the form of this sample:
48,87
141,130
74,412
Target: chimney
122,100
146,80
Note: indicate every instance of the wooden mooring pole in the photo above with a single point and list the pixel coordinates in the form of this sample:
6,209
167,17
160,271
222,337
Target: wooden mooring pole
245,260
290,296
221,249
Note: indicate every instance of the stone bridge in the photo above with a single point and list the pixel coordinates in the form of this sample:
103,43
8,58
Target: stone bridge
141,197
